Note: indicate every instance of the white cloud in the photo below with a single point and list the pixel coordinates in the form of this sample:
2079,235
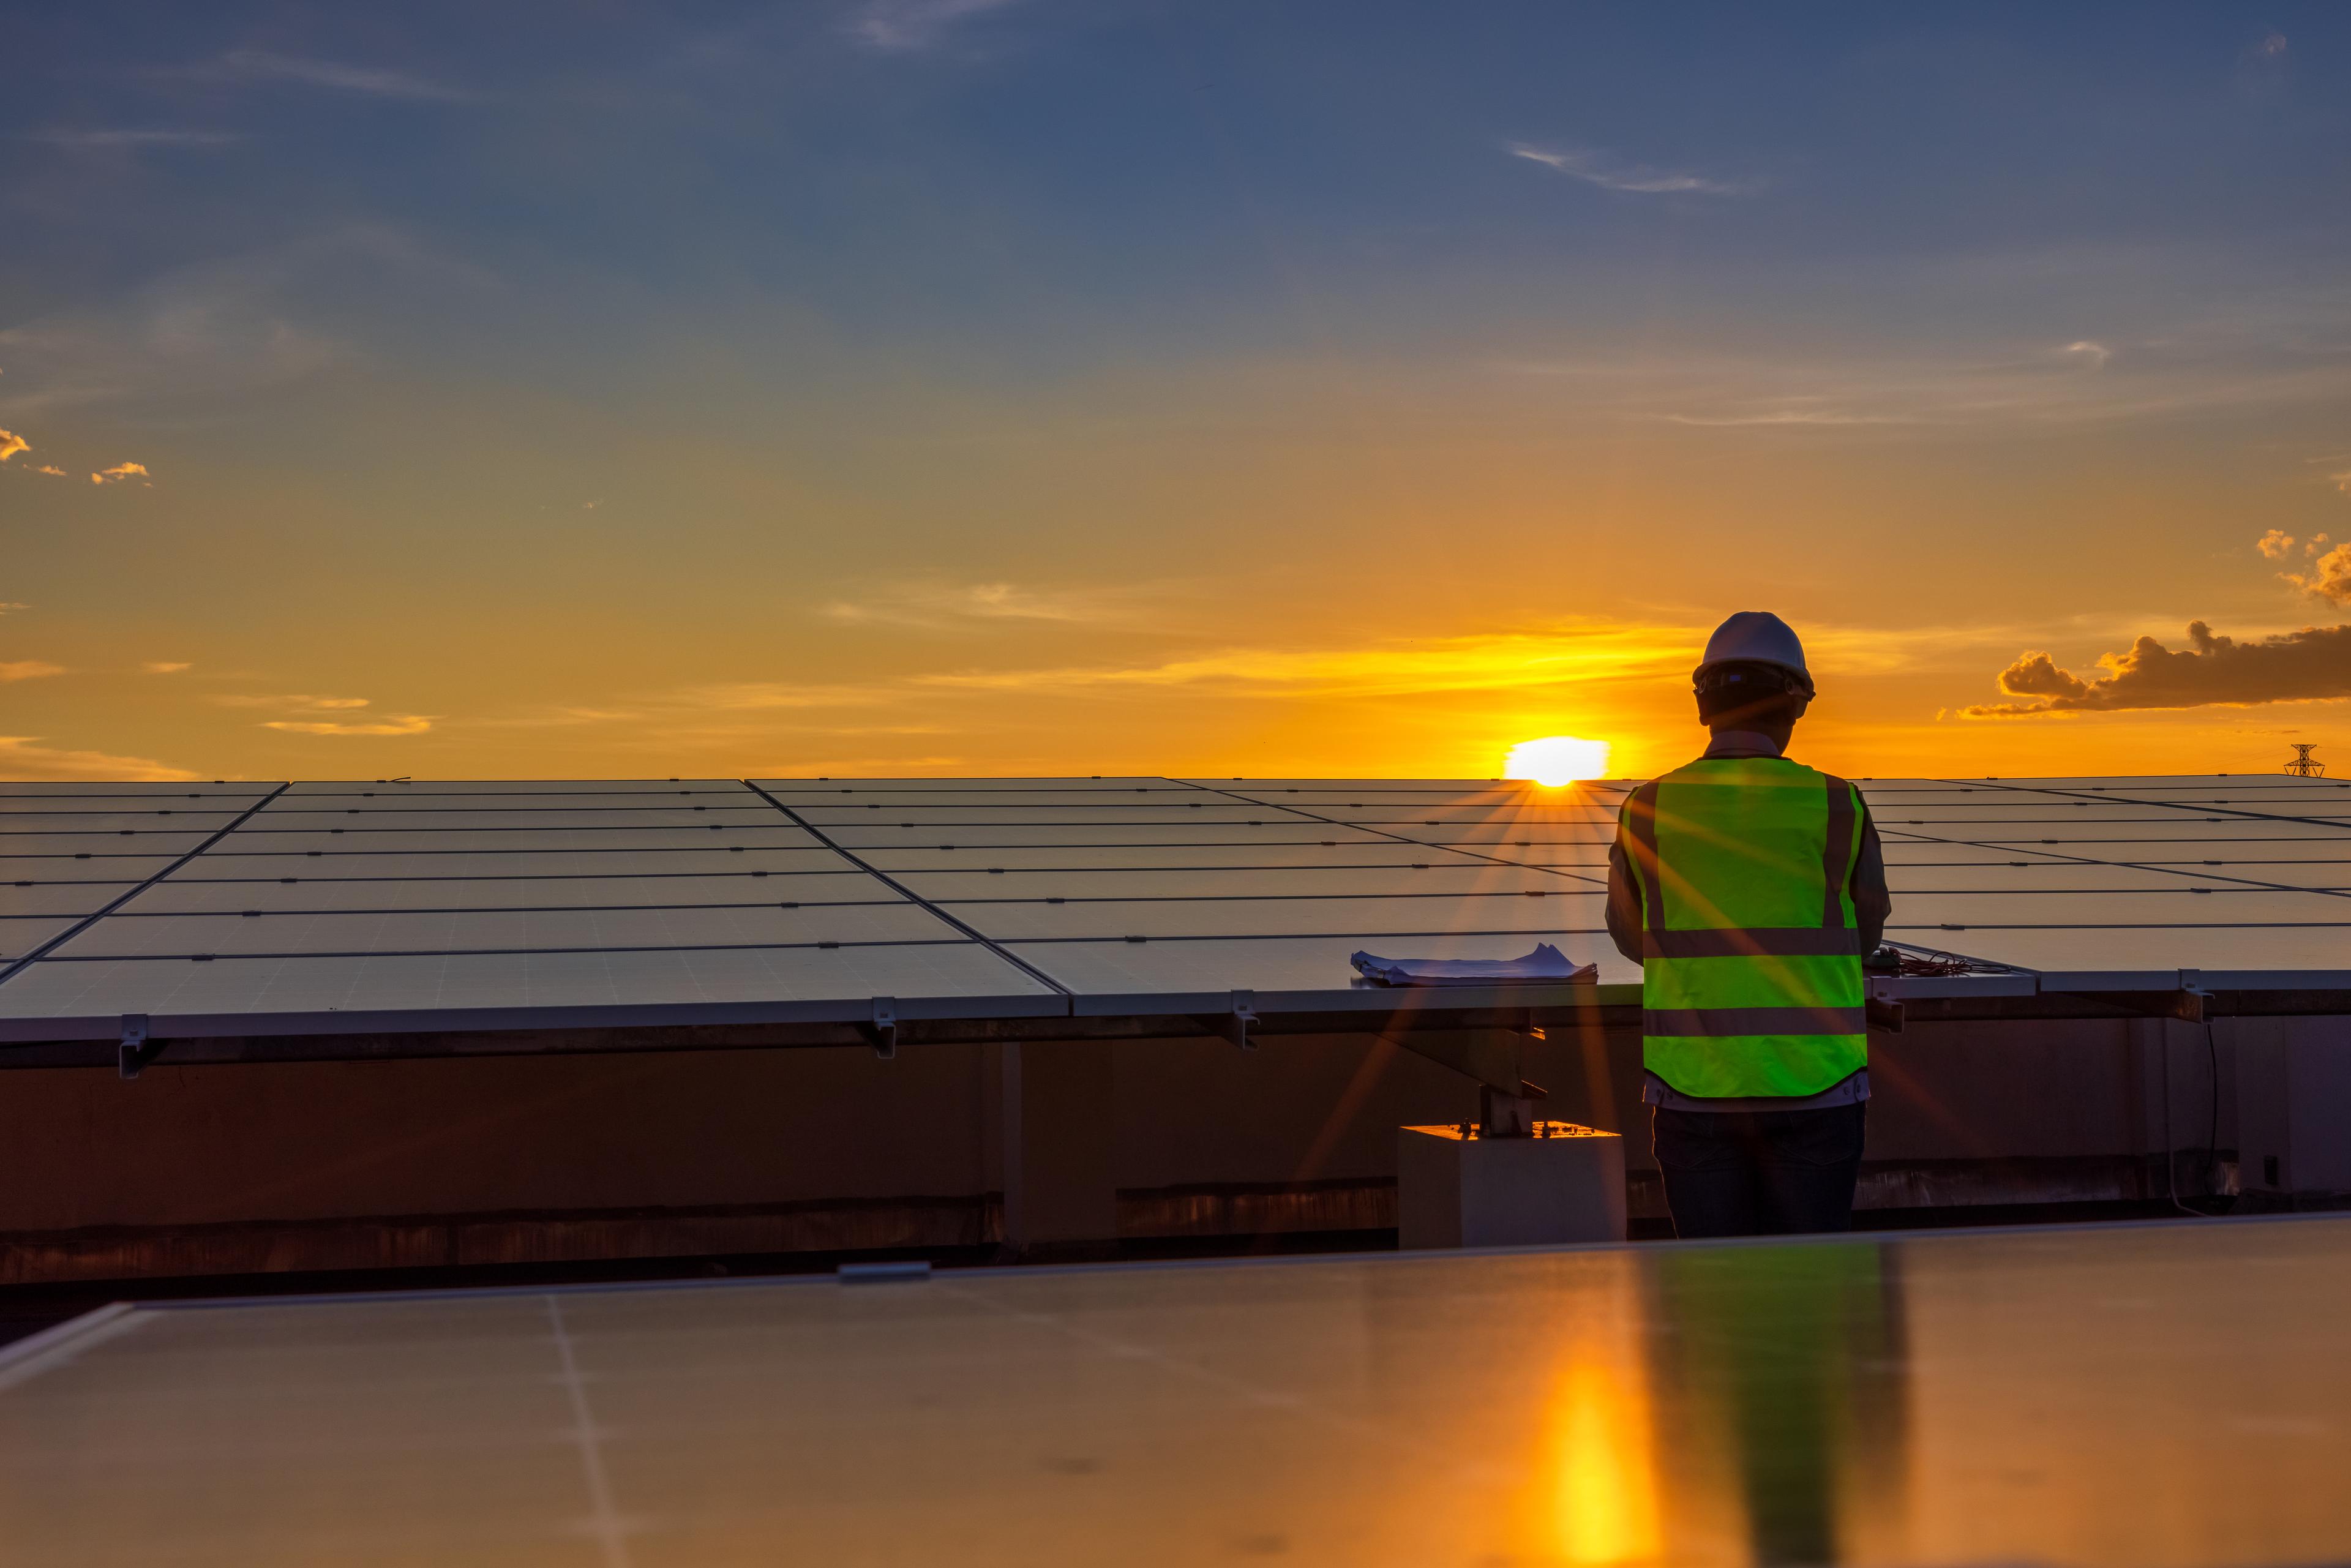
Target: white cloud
107,138
29,670
2093,355
369,81
23,757
1612,174
391,724
2029,386
194,336
906,25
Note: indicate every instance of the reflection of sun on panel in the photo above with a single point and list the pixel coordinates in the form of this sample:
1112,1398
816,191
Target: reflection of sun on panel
1600,1461
1557,760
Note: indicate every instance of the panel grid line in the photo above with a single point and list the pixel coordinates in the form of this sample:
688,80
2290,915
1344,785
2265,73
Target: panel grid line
1406,839
29,959
899,888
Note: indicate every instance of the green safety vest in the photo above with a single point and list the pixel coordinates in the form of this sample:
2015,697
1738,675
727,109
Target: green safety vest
1750,956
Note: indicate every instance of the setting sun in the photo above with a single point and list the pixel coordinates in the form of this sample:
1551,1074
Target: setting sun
1557,760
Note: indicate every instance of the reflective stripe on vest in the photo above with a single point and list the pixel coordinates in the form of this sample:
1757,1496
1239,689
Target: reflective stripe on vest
1752,982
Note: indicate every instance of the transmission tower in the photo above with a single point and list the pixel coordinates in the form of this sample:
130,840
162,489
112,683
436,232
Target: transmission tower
2302,767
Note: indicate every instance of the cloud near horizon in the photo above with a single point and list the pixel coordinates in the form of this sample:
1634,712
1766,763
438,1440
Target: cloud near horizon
23,757
29,670
2313,664
297,701
391,724
941,606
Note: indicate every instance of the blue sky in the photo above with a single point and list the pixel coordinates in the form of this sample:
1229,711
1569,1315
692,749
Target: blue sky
903,383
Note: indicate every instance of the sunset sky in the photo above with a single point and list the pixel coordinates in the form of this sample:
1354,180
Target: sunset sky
1087,386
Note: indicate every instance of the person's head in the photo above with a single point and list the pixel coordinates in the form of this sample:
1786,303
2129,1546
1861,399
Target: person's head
1752,676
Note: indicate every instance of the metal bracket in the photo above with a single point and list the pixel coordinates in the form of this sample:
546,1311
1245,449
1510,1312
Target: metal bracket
2187,1003
882,1032
1502,1115
137,1050
1244,1018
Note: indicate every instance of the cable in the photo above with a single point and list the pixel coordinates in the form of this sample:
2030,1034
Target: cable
2213,1128
2213,1132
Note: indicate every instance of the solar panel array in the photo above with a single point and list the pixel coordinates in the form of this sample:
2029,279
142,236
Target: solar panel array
343,906
2120,879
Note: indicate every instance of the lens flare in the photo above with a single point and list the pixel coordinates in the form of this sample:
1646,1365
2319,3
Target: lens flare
1557,760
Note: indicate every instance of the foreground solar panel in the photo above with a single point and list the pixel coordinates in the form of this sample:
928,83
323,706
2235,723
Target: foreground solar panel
2086,1395
338,908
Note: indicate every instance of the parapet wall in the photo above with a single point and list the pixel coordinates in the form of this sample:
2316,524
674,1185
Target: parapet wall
234,1170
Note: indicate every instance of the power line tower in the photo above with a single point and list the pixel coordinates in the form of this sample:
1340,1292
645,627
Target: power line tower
2302,767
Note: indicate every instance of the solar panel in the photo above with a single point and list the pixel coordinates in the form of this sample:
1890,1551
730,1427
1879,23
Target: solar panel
1077,894
1622,1408
946,978
313,894
1435,877
19,898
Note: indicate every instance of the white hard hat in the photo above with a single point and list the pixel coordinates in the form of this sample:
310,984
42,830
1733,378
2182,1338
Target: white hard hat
1755,637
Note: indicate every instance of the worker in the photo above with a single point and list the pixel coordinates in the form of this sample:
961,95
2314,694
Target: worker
1748,887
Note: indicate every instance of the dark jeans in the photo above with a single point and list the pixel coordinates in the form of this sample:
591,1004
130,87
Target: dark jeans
1758,1173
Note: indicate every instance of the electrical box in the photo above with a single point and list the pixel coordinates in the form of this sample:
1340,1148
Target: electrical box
1454,1188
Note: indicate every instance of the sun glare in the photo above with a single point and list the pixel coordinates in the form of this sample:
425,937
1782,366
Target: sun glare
1557,760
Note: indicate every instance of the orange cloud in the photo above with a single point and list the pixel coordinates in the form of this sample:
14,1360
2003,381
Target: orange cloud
23,757
12,443
119,472
2277,544
165,667
50,468
297,701
2309,665
29,670
391,724
2329,577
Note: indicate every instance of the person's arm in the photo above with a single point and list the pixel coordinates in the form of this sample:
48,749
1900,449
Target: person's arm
1872,904
1624,900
